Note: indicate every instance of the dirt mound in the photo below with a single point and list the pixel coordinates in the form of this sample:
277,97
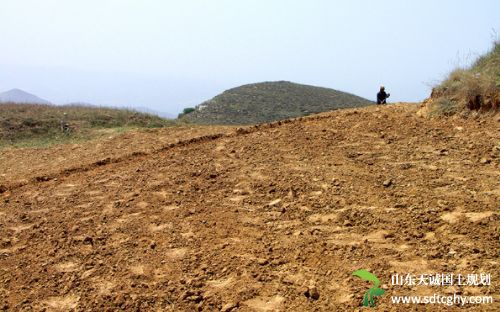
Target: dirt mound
264,218
445,103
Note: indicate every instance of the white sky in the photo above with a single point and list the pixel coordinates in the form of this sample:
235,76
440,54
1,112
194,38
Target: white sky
167,55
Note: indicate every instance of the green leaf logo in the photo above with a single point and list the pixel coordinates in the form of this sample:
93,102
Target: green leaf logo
374,291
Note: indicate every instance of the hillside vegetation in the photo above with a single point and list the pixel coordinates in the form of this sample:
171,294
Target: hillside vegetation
476,88
40,124
270,101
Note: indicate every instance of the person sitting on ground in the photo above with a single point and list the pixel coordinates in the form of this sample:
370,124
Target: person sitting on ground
382,96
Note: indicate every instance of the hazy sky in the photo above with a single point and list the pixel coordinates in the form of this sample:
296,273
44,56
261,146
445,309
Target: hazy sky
167,55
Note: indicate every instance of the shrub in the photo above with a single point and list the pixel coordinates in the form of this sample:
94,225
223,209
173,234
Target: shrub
188,110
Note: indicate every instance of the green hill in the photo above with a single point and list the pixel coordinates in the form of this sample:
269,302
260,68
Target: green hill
270,101
40,124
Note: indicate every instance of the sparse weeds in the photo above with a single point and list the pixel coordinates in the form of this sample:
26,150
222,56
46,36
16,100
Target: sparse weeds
476,88
30,125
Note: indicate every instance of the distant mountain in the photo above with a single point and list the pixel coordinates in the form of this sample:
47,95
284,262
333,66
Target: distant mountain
270,101
20,96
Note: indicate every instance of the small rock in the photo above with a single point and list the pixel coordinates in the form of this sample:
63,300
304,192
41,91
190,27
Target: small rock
417,234
88,240
119,300
485,161
347,223
229,307
195,298
312,293
387,183
335,182
186,294
262,261
389,235
442,203
274,202
6,243
436,254
406,166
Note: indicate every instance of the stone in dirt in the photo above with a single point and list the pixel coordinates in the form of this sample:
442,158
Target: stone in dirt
312,293
485,161
229,307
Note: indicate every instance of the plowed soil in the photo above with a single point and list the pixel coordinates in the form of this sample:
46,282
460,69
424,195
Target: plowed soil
273,217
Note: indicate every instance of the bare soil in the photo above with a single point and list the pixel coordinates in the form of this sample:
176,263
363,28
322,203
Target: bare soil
273,217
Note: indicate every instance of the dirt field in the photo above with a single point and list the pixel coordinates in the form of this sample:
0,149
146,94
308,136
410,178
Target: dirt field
21,165
268,218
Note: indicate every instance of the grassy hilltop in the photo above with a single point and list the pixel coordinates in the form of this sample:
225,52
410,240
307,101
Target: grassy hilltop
270,101
39,124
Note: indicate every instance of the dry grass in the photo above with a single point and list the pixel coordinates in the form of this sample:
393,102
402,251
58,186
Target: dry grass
37,124
466,90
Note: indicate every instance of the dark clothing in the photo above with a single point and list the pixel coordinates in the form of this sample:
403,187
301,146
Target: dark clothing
382,97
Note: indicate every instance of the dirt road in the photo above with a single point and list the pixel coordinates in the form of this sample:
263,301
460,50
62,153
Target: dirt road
268,218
